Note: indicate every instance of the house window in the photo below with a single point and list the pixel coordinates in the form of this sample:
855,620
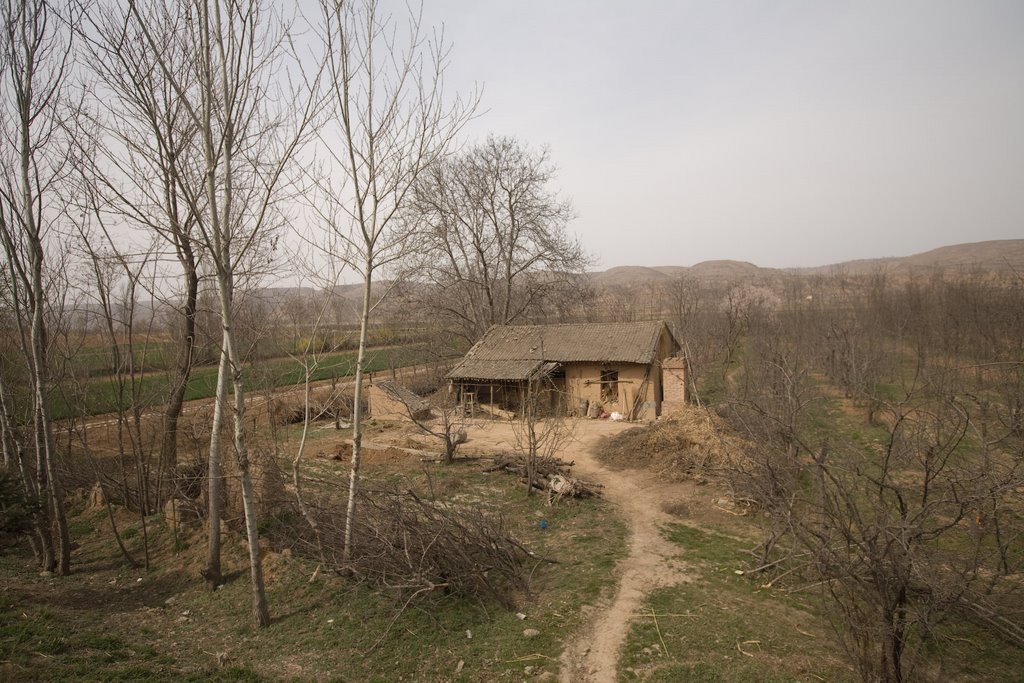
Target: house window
609,386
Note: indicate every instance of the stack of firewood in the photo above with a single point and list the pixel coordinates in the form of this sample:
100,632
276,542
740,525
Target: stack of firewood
550,475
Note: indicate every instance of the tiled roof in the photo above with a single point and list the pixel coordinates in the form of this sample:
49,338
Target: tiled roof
514,352
399,393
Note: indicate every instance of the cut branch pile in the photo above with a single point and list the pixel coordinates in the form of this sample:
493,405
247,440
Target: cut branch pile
552,475
415,546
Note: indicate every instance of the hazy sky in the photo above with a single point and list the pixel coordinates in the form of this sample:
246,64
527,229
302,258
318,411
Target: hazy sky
783,133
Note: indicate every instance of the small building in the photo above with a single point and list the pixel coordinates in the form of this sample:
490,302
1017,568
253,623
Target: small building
616,367
391,401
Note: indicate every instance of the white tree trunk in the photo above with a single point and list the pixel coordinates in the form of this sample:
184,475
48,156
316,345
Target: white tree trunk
357,414
259,597
212,573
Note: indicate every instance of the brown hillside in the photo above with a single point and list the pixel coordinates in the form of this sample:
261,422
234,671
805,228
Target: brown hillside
727,270
626,275
994,256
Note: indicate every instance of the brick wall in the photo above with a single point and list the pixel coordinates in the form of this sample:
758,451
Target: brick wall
674,381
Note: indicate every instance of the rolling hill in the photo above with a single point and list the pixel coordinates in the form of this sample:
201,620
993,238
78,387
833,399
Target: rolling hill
1003,257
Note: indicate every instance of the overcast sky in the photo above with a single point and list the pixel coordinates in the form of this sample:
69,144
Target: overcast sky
782,133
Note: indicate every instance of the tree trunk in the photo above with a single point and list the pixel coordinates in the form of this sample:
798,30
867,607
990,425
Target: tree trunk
46,467
169,447
46,472
531,435
357,413
259,596
14,457
212,572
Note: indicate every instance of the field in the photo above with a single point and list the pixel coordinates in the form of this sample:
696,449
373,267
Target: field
100,395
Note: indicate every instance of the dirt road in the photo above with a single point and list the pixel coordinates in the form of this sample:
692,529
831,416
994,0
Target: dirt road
592,657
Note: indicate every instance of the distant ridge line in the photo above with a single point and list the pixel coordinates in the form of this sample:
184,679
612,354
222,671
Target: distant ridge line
995,256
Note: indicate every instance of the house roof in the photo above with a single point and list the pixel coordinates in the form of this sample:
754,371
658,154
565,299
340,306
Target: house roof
517,352
399,393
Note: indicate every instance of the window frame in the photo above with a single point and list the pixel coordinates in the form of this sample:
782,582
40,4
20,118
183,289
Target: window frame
609,379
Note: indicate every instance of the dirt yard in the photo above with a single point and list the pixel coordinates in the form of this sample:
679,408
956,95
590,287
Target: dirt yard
642,498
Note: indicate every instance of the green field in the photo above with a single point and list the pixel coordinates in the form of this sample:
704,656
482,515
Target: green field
101,395
153,356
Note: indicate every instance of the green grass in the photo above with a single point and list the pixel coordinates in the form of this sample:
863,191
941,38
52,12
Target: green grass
30,637
154,356
725,627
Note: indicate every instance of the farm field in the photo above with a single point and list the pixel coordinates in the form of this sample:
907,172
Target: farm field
101,395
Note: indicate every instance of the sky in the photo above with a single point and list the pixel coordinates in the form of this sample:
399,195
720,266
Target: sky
781,133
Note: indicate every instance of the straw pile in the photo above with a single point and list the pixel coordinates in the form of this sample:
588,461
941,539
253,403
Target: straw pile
691,444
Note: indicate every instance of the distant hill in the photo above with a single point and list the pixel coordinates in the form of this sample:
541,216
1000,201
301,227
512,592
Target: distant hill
705,270
626,275
995,256
727,270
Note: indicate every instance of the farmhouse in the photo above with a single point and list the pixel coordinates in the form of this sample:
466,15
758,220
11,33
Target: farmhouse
590,367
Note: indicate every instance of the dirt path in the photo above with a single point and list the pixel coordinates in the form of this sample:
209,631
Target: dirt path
593,656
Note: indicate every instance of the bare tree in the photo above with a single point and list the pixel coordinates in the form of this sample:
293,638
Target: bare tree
249,133
495,248
142,150
908,527
37,111
540,428
117,311
439,416
882,531
389,120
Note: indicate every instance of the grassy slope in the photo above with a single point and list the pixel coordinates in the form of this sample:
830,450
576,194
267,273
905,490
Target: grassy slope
735,629
108,622
725,627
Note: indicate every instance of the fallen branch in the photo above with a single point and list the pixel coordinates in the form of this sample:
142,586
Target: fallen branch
529,658
658,629
551,475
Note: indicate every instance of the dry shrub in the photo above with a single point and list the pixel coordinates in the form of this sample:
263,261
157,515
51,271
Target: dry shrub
190,479
690,444
325,403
